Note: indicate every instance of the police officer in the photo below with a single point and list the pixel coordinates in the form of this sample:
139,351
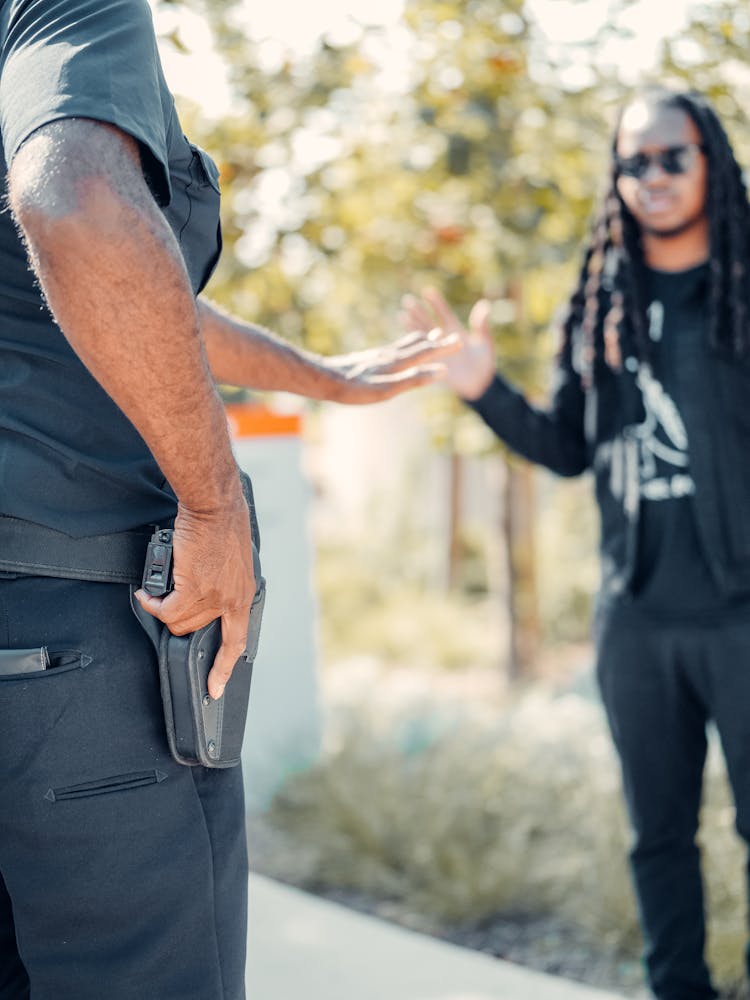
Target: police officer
122,873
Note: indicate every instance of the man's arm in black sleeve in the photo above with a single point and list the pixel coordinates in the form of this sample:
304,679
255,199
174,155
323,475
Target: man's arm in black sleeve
554,438
551,437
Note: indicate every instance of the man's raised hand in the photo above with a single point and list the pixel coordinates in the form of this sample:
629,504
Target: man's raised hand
470,368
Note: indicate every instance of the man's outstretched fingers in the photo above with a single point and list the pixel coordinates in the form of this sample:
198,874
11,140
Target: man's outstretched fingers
479,318
233,644
446,317
416,314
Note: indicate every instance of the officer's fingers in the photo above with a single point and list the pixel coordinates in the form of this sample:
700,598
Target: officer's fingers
233,644
424,351
412,337
382,387
178,614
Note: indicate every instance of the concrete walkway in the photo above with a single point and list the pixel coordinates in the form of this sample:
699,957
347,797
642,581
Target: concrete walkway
304,948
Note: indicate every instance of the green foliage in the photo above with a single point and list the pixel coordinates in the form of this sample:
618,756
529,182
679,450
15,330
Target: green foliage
341,192
711,56
384,613
472,170
566,557
390,608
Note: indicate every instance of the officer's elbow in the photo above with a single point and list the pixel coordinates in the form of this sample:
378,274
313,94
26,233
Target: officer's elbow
60,190
52,213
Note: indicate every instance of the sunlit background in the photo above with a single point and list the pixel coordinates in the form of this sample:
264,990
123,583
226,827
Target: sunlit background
632,49
450,765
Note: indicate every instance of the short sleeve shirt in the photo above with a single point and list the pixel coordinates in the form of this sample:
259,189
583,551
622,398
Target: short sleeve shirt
69,458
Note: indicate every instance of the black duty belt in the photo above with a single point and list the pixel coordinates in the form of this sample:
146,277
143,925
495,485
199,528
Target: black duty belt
31,548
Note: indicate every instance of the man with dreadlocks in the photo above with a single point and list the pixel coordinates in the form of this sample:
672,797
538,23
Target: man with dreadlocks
651,393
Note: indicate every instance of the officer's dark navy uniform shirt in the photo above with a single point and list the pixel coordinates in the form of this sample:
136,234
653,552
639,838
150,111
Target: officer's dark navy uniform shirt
69,458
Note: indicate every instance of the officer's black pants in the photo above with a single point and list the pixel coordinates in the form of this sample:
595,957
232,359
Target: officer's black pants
122,874
660,685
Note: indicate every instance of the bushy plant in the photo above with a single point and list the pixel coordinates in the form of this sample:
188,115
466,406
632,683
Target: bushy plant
385,612
460,812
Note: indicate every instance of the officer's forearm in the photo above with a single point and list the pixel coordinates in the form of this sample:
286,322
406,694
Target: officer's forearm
244,354
114,278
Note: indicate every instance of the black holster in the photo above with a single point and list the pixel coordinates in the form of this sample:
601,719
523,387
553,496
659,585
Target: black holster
201,730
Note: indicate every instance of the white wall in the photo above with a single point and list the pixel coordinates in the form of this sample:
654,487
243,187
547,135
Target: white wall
283,726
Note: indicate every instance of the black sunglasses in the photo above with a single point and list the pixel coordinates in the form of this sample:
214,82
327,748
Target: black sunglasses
672,160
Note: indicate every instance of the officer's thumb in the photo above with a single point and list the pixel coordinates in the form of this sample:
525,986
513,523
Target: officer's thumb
151,604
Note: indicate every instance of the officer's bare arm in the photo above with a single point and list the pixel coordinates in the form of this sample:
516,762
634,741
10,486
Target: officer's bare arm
242,353
114,278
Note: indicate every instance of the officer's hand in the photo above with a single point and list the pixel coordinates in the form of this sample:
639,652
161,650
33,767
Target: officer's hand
213,578
380,373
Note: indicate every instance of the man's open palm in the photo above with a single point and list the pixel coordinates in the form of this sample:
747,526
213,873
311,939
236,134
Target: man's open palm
469,369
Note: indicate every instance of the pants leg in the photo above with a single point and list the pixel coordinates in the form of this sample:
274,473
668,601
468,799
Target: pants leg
658,725
14,983
127,872
727,679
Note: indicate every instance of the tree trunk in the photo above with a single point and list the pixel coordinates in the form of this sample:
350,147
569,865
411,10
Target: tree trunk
520,526
454,520
519,517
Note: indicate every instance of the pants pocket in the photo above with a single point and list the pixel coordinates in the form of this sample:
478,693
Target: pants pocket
26,664
104,786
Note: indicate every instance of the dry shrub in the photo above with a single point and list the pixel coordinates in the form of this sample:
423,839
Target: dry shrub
387,608
466,817
462,812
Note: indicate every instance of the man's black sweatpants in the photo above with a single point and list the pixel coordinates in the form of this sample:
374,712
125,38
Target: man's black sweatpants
122,873
660,684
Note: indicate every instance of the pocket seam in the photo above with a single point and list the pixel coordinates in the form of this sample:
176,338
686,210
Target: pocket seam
106,786
82,661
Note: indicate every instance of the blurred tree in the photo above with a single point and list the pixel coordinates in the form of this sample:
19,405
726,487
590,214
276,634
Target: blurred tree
711,56
394,158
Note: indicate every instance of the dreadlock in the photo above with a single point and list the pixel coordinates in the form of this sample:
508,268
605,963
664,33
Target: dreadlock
606,315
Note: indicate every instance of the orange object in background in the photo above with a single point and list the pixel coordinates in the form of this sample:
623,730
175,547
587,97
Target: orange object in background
252,420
